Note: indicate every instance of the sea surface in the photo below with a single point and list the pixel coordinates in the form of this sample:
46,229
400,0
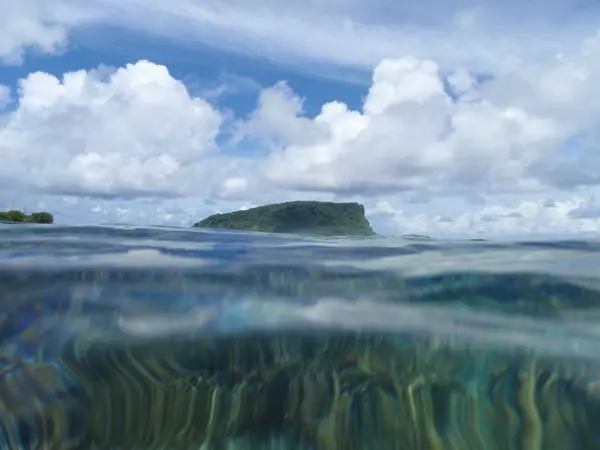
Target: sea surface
127,338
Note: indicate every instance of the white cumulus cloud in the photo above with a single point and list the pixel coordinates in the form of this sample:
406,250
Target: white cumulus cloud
132,131
410,135
527,129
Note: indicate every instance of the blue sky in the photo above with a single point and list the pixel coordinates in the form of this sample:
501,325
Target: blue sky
464,117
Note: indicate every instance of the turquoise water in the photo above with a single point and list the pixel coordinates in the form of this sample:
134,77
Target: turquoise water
154,338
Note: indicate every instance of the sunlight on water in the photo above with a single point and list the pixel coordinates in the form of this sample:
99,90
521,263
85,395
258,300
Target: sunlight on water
115,338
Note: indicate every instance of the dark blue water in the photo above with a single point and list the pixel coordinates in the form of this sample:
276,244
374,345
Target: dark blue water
150,338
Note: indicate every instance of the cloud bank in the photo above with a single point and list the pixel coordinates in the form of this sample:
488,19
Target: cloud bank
360,33
312,35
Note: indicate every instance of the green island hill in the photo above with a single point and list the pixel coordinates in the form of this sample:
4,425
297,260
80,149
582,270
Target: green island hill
296,217
15,216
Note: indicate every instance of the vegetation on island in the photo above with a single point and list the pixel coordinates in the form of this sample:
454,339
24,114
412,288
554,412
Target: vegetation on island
298,217
15,216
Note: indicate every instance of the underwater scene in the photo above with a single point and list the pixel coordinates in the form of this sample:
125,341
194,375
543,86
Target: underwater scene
132,338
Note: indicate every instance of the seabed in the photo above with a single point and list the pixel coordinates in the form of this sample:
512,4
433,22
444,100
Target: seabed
298,391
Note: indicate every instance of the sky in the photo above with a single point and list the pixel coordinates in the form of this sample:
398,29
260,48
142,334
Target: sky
449,118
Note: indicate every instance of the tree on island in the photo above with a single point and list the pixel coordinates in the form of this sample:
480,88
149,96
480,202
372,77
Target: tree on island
20,217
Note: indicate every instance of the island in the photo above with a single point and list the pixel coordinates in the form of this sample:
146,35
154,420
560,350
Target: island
296,217
14,216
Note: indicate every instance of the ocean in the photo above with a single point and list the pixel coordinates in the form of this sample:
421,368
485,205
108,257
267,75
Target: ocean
127,338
